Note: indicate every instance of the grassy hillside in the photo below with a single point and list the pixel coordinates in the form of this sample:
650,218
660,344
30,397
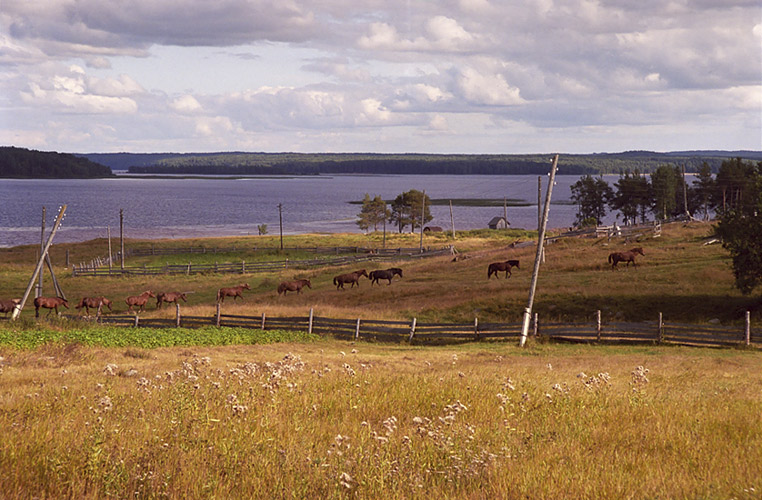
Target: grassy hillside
678,276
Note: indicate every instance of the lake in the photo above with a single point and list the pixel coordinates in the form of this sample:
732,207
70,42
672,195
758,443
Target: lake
194,207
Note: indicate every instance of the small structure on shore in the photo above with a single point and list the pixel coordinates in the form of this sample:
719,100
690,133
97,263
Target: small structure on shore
499,223
432,229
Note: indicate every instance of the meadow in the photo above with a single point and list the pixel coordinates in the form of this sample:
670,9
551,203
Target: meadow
96,412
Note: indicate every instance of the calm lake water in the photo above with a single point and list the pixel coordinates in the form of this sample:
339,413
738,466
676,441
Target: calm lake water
184,208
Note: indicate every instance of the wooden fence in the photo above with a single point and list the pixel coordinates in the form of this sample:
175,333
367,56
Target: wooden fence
657,332
244,267
144,252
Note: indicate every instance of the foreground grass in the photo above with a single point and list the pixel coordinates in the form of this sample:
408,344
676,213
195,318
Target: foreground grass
333,420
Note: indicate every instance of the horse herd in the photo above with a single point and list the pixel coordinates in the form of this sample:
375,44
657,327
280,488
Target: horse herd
284,287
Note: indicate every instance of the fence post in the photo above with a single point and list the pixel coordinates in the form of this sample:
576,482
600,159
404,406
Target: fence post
67,257
748,328
137,319
412,330
476,327
217,322
98,314
177,314
310,328
263,321
187,273
357,329
243,267
598,325
661,328
536,324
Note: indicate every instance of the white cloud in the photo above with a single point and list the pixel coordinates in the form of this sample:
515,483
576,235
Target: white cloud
487,89
186,104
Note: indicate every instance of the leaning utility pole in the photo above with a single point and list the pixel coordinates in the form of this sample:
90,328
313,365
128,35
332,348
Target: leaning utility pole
40,262
423,212
538,256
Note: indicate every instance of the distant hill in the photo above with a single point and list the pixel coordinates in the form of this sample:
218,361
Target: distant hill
30,164
243,163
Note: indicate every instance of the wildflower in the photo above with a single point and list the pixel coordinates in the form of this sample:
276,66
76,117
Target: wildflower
232,398
110,369
346,480
550,367
105,403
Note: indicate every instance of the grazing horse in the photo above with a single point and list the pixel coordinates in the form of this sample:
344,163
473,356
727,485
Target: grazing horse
293,286
94,302
384,274
169,297
7,306
506,266
48,303
628,256
233,291
138,300
353,278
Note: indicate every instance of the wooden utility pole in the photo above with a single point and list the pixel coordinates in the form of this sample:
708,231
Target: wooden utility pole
108,231
423,211
121,237
38,268
452,221
42,246
538,256
539,202
505,211
280,218
685,193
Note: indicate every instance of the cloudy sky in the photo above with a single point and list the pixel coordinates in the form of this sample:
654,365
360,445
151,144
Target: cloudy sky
452,76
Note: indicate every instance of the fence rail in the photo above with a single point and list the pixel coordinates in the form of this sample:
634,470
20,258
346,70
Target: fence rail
244,267
414,332
145,252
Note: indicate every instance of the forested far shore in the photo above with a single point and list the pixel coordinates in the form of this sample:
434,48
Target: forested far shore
20,163
241,163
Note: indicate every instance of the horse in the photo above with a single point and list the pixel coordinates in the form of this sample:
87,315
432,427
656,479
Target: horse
233,291
628,256
293,286
384,274
506,266
94,302
7,306
138,300
353,278
169,297
48,303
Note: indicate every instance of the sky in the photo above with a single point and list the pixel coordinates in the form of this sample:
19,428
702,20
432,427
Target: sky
384,76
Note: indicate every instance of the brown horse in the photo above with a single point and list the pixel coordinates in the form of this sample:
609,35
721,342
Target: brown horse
7,306
169,297
628,256
384,274
506,266
293,286
48,303
353,278
94,302
233,291
138,300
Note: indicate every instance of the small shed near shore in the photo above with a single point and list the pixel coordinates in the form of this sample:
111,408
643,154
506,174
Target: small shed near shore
433,229
499,223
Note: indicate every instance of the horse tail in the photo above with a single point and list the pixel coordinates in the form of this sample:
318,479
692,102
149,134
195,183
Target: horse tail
336,281
611,257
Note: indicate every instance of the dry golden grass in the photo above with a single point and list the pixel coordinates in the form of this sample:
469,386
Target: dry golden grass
334,420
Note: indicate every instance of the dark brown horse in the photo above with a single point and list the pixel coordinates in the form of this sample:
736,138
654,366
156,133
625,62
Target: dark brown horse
353,278
233,291
48,303
7,306
628,256
384,274
293,286
506,266
94,302
169,297
138,300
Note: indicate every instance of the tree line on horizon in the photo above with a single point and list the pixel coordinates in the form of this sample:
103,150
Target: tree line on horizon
25,163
